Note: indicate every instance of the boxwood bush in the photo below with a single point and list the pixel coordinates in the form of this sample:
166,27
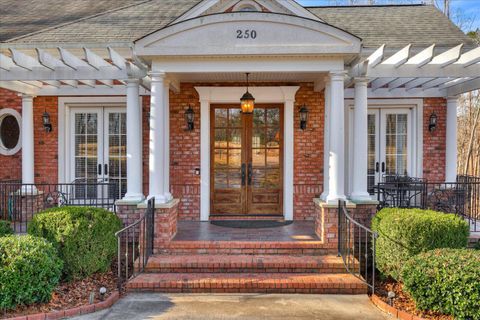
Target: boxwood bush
29,270
5,228
84,237
445,280
404,233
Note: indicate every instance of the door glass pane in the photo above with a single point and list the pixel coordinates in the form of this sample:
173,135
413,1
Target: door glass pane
85,137
117,154
396,149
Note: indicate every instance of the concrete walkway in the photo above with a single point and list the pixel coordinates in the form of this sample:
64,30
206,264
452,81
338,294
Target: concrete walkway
240,306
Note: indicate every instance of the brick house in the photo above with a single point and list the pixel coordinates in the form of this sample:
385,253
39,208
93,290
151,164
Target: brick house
147,94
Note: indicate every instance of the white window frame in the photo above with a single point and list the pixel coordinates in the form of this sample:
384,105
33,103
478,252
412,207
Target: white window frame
11,112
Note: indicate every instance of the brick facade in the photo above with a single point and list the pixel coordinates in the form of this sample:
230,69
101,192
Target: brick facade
434,143
185,146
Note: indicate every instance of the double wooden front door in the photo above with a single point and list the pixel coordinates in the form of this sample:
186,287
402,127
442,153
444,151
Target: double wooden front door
247,160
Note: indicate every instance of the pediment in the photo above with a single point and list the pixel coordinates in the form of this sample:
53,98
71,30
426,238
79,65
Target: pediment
252,33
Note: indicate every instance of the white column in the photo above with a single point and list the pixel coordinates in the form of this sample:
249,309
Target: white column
204,158
157,139
134,143
166,137
451,143
28,173
326,138
360,141
336,185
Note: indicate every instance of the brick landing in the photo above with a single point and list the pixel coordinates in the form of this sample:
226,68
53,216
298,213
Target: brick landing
247,283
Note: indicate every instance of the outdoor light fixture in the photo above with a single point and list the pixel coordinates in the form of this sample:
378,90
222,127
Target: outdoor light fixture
47,125
303,117
189,117
247,101
432,122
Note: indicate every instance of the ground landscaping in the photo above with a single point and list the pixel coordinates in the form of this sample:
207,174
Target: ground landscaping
422,258
61,264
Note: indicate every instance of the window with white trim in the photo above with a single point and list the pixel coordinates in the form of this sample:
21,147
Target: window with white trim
10,132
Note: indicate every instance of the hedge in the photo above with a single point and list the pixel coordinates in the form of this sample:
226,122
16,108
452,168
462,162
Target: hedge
84,237
404,233
29,270
5,228
445,280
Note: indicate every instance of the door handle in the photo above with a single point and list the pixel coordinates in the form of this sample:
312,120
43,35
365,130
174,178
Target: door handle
106,169
250,174
243,174
99,169
383,166
377,167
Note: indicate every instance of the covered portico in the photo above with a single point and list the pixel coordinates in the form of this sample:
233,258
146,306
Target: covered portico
216,49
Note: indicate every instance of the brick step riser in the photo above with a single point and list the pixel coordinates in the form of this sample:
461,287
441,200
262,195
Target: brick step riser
339,290
230,269
249,251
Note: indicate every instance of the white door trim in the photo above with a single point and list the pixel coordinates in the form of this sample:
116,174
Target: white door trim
64,106
212,95
416,116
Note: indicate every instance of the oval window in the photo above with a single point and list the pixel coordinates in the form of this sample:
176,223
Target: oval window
10,131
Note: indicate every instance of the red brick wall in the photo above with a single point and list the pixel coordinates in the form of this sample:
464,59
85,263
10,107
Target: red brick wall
11,166
434,142
46,144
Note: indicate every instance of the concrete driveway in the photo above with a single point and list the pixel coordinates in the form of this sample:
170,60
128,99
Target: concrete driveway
240,306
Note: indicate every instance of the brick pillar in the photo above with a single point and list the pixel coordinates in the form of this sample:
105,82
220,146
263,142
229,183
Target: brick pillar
326,225
30,205
166,216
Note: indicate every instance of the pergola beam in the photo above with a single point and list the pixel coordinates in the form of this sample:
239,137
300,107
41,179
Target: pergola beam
464,87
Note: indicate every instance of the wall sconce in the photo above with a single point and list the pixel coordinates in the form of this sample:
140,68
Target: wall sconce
189,118
303,117
47,125
432,122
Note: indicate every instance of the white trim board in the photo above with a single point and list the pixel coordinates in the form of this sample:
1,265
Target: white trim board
211,95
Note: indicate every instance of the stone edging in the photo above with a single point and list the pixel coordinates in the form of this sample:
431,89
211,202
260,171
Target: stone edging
88,308
394,312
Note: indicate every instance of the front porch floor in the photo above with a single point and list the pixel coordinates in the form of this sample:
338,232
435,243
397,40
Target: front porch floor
298,231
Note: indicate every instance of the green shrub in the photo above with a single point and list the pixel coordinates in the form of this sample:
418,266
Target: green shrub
5,228
445,280
29,270
84,237
404,233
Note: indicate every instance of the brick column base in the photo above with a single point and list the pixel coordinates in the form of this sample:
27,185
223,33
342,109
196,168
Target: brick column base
326,220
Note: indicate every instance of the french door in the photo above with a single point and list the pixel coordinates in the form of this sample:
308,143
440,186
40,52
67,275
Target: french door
389,144
247,160
98,150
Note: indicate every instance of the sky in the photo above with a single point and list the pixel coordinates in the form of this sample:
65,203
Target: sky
466,13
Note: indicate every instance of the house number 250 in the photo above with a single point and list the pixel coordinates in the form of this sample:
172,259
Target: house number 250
246,34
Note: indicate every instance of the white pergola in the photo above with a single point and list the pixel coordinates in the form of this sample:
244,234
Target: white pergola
116,70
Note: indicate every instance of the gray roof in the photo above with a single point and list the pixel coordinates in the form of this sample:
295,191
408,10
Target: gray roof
104,21
395,25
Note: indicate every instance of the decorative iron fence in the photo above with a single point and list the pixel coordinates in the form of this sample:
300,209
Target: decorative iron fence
19,202
461,197
135,245
356,246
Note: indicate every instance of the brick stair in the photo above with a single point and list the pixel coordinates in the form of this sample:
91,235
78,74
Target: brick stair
247,283
244,264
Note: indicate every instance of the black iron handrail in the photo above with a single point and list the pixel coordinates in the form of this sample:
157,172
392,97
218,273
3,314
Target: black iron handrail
356,247
135,245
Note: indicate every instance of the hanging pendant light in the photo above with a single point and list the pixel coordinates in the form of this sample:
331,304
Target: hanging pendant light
247,101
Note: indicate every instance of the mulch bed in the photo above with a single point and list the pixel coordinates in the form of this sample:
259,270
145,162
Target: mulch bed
71,294
403,301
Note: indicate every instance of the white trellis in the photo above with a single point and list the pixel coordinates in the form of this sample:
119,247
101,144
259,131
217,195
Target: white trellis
452,71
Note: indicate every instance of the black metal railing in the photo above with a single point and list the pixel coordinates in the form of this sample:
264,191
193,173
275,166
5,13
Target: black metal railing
135,245
19,202
461,197
356,246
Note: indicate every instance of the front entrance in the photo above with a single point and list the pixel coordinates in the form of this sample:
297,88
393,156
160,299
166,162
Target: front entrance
98,143
246,160
389,144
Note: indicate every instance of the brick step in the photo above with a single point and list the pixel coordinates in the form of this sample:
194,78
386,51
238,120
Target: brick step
247,247
247,283
244,264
